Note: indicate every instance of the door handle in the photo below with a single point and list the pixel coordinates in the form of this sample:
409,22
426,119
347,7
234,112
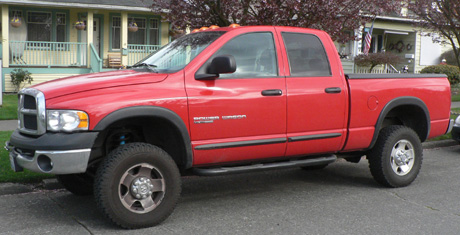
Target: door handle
274,92
333,90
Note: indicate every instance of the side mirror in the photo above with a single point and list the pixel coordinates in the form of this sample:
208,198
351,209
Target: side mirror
218,65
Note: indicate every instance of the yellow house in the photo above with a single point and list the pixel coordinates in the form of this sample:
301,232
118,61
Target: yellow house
59,38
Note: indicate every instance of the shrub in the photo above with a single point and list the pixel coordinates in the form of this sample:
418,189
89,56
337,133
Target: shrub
18,77
373,59
452,72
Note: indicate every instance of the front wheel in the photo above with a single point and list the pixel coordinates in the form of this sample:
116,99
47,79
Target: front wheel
396,158
137,185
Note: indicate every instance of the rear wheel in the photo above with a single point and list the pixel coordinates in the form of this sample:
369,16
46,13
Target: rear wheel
137,185
396,158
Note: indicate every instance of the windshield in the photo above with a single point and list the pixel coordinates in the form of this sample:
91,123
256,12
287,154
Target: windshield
177,54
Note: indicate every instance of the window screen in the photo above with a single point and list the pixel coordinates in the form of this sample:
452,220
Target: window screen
137,37
61,27
154,32
254,55
306,55
39,26
116,32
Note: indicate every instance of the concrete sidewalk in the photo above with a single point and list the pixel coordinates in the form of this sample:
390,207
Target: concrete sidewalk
8,125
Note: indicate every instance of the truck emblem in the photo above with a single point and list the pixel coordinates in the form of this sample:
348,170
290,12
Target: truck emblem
202,120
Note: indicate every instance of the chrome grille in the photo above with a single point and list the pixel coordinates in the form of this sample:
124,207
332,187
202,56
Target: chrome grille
31,112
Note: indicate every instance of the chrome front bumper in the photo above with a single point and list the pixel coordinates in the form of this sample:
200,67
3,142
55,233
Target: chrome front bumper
53,162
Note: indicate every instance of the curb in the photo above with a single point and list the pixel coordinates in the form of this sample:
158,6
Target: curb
439,144
18,188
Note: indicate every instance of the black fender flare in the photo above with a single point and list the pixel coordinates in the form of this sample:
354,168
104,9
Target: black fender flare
405,100
151,111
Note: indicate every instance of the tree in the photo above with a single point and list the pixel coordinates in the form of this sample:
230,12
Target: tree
337,18
374,59
441,16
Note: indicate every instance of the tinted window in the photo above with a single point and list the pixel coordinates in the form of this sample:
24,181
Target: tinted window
306,55
254,55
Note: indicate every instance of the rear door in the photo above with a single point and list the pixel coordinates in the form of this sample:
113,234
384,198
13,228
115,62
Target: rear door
240,116
316,94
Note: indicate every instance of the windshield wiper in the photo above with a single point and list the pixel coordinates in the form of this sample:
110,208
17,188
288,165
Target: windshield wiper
151,67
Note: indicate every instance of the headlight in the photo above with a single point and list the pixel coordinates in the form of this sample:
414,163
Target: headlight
67,120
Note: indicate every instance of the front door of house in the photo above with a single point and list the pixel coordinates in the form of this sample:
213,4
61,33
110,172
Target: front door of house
96,35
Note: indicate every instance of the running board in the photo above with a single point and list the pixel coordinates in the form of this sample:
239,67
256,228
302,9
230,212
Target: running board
324,159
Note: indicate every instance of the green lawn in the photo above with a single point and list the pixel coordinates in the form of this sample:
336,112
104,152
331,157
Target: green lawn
9,108
448,136
8,175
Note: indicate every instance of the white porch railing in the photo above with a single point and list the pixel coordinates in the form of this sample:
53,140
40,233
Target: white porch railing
139,52
31,53
378,69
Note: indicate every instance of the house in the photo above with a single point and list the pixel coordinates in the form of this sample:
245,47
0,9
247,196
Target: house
398,35
53,40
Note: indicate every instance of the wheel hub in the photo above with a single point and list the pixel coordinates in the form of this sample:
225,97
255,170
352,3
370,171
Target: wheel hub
142,188
402,157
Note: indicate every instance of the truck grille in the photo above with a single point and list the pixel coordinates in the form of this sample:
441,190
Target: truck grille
31,112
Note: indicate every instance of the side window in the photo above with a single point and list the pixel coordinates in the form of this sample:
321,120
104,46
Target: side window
254,55
306,55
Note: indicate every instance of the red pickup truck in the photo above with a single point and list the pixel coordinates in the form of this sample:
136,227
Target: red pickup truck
220,101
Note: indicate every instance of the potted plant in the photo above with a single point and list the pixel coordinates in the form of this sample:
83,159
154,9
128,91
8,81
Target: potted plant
132,27
80,25
16,21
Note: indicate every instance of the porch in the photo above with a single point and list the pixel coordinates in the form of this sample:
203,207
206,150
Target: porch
70,54
49,44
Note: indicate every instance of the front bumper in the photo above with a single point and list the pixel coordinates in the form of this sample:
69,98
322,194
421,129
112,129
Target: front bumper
54,153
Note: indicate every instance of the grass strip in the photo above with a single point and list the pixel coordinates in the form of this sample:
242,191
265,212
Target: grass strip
7,174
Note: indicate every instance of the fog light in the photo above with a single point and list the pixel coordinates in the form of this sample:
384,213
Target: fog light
44,163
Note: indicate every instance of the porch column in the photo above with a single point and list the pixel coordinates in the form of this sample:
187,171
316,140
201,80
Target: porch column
5,36
89,36
124,38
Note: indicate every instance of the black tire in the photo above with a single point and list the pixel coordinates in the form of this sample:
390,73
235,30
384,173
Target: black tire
396,158
314,168
141,168
78,184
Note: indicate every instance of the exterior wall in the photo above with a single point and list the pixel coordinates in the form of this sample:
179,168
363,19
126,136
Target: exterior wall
38,78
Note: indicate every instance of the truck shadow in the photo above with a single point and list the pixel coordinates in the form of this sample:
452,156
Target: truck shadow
237,190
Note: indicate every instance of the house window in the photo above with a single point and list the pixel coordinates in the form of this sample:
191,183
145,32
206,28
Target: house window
61,27
116,32
137,37
154,32
39,26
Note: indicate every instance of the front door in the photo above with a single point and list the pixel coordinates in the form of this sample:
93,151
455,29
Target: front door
240,116
96,35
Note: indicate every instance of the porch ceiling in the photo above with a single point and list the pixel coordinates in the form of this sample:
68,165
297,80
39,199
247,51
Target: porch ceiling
130,5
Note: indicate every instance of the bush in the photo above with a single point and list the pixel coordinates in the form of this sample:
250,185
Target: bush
452,72
373,59
18,77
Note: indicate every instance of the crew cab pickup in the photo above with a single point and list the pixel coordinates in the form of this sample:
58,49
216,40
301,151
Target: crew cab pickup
221,101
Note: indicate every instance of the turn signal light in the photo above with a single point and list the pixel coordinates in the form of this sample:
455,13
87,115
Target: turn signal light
214,27
195,30
204,28
234,25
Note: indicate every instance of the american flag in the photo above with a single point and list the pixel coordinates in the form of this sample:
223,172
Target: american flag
368,39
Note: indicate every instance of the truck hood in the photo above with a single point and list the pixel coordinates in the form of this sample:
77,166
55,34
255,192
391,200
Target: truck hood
94,81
